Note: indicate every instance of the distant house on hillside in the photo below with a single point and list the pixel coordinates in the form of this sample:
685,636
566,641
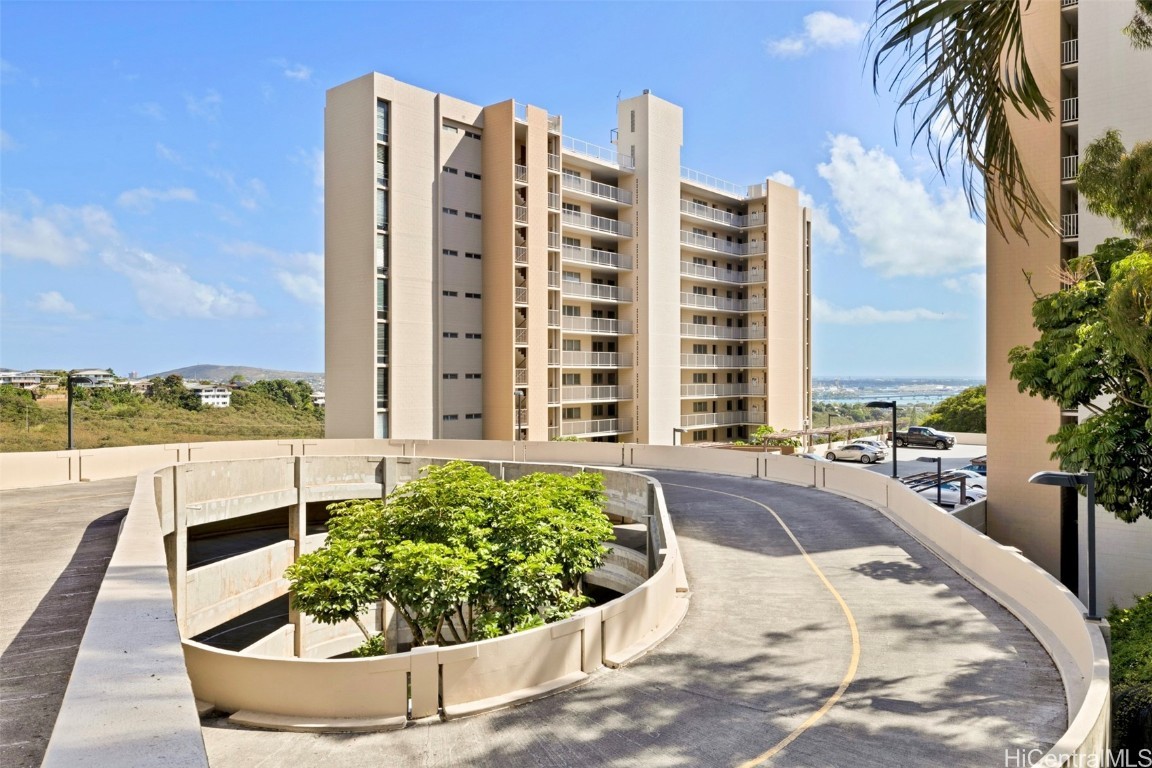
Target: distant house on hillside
97,376
21,379
211,395
318,399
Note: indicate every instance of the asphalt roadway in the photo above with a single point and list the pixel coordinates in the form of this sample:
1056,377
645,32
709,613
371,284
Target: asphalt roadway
818,634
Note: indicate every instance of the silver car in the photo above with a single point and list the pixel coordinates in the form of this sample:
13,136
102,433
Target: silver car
865,454
950,494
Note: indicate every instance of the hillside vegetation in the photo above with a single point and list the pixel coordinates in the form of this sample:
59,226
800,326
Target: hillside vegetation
117,417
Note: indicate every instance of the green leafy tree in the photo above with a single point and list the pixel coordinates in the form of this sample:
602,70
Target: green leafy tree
459,554
966,411
295,394
1132,676
170,390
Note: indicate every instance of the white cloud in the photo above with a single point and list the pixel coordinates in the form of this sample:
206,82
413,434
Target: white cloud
165,152
306,282
974,284
58,235
313,160
149,109
143,199
206,106
53,303
249,193
822,29
7,143
165,289
824,312
293,71
824,232
900,227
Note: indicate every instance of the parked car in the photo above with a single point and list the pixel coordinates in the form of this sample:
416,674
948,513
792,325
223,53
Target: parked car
879,445
950,494
925,437
975,479
811,457
980,469
865,454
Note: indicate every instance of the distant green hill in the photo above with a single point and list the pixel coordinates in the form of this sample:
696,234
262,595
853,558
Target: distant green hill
226,372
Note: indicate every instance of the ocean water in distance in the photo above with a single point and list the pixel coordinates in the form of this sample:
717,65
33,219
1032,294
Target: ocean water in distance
905,391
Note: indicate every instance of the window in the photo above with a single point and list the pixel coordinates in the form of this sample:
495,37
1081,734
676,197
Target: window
570,380
571,413
572,276
471,255
381,254
701,407
381,209
471,375
572,241
571,207
700,260
700,434
571,345
632,120
471,295
699,378
449,169
381,344
470,215
381,121
570,172
699,320
699,349
451,376
699,291
382,165
451,211
451,128
450,334
449,293
470,175
471,134
451,417
471,335
471,415
570,311
450,252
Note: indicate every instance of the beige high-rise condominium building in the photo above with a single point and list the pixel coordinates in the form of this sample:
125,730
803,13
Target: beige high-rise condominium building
484,271
1095,80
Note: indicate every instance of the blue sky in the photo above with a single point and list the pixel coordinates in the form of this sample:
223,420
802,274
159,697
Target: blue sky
162,184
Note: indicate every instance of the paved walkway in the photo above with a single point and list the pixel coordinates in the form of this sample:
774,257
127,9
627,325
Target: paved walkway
766,668
55,544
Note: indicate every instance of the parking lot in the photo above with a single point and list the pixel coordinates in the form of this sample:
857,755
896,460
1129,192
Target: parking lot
951,458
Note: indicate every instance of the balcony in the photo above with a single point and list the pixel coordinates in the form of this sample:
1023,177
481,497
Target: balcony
718,361
596,291
1070,225
596,394
726,275
553,357
1070,110
522,214
553,318
596,325
553,279
716,215
716,245
597,224
711,182
595,427
521,375
595,189
554,163
553,201
553,396
578,255
574,359
720,390
521,254
702,331
599,154
521,174
1069,167
554,241
1067,3
1069,51
521,296
754,304
553,123
721,418
521,338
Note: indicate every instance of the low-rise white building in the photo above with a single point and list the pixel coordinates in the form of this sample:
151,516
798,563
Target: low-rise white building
21,379
212,395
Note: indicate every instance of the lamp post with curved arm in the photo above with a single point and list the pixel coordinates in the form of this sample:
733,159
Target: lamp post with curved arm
888,404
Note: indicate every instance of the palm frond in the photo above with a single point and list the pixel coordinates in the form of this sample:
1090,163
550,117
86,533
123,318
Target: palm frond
959,66
1139,30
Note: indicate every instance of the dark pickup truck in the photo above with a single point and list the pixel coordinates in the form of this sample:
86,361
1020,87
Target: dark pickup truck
926,437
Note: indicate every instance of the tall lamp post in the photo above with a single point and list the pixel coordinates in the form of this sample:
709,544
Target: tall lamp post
929,459
73,379
519,395
677,431
1074,480
888,404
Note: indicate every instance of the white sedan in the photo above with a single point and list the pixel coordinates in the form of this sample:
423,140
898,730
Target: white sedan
950,494
972,479
865,454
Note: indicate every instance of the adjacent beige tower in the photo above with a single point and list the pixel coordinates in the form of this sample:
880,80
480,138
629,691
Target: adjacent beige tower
1095,80
494,274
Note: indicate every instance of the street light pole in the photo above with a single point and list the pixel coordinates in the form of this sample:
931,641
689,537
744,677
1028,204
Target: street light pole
888,404
677,431
72,380
1072,480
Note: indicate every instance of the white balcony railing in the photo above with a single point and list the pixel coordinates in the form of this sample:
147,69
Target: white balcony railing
720,390
553,318
726,275
553,279
595,394
574,359
521,173
713,214
521,295
754,304
1069,51
1070,225
553,395
704,180
554,201
716,361
721,418
1070,110
553,123
1069,167
598,153
521,213
554,240
578,255
521,375
521,337
596,291
702,331
554,163
1067,3
597,223
708,243
521,254
596,189
596,427
595,325
553,357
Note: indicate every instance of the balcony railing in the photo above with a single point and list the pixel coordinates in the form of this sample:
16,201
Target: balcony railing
554,162
574,359
1070,225
597,223
521,173
721,418
726,275
1070,110
521,213
754,304
554,201
520,111
553,123
598,153
596,189
720,390
1069,167
716,361
593,394
596,291
553,279
522,295
553,357
1069,51
1068,3
596,325
708,243
553,395
704,180
554,240
703,331
713,214
576,254
596,427
521,375
521,254
521,336
553,318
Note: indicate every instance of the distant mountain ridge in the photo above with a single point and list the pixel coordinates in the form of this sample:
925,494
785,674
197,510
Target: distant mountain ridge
226,372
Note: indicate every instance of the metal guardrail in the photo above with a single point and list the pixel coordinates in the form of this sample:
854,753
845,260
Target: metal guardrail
578,255
592,394
1070,110
595,427
1070,51
595,189
704,331
720,390
595,325
1069,167
597,223
597,153
754,304
574,359
596,291
1070,225
726,275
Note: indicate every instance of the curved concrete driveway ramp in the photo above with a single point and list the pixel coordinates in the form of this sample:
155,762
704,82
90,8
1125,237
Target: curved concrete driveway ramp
866,651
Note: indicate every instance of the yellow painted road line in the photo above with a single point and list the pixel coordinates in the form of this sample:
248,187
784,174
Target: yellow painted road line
852,665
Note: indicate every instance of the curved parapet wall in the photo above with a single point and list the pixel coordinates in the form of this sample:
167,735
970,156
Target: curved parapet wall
86,728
